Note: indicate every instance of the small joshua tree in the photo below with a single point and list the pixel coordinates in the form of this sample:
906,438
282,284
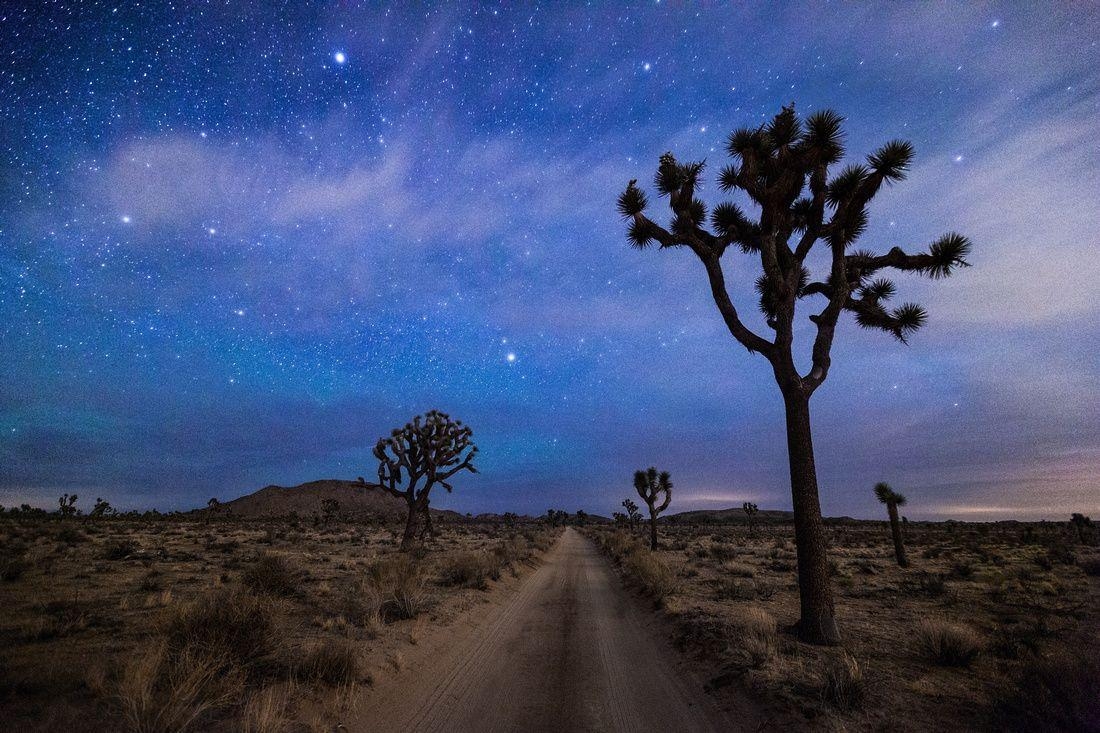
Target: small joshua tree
750,511
893,500
101,509
632,513
785,169
426,453
651,485
66,505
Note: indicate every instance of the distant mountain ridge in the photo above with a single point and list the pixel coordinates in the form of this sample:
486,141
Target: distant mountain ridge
356,500
732,515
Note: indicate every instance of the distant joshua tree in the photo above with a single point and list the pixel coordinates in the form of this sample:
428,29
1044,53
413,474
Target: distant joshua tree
893,500
1082,526
783,169
66,505
750,511
632,513
101,509
425,453
651,485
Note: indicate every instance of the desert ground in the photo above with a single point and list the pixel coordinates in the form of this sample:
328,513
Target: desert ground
187,623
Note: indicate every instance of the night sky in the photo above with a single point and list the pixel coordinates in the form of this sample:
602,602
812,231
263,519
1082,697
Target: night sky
238,244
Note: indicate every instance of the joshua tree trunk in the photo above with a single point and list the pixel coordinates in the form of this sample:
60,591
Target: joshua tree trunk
818,622
652,530
895,528
412,526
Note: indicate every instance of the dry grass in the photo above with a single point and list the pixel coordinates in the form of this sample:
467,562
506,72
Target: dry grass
177,625
947,644
998,601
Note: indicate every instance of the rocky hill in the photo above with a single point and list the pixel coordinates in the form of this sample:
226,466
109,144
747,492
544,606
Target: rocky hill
356,500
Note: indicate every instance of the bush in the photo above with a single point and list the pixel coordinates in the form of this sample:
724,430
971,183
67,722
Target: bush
471,570
272,574
119,549
757,636
651,573
842,684
161,692
332,662
1061,694
12,568
1090,565
238,628
946,644
395,587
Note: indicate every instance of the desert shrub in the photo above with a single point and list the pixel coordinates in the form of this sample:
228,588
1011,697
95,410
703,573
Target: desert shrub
71,535
1058,694
1090,565
119,549
962,569
651,573
239,629
842,684
161,691
12,567
757,637
947,644
395,587
765,589
272,574
513,550
266,711
331,661
471,569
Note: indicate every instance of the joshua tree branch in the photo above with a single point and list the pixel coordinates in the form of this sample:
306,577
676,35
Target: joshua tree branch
749,339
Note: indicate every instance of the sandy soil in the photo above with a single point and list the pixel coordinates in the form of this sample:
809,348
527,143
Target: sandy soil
568,650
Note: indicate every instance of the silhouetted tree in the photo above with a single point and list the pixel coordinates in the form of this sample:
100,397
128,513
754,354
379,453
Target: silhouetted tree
1082,526
893,500
750,511
650,485
101,509
783,168
425,453
632,513
66,505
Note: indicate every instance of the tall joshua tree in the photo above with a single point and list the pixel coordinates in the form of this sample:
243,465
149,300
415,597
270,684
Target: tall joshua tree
651,485
784,168
750,511
893,500
424,454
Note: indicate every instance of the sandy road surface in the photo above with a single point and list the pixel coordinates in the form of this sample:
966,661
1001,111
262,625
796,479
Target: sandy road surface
569,650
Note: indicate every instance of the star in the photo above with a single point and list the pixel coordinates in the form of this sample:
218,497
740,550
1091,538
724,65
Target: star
340,57
647,66
126,219
511,357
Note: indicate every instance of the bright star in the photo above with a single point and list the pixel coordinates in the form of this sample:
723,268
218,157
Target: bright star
211,230
511,357
996,24
647,66
126,220
339,57
958,159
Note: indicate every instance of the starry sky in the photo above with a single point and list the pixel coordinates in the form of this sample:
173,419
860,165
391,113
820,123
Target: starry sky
239,241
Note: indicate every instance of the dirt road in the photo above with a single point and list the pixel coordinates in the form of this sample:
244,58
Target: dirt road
570,650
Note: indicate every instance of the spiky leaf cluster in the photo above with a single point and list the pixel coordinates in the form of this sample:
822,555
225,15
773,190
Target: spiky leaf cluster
885,494
785,168
651,485
430,448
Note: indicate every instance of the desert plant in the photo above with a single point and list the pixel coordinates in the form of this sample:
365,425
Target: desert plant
471,569
651,573
750,511
651,485
330,661
272,574
757,636
775,164
396,587
66,505
842,684
947,644
893,500
632,513
101,509
330,510
427,452
120,549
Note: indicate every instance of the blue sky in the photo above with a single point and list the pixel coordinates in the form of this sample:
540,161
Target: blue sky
238,245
